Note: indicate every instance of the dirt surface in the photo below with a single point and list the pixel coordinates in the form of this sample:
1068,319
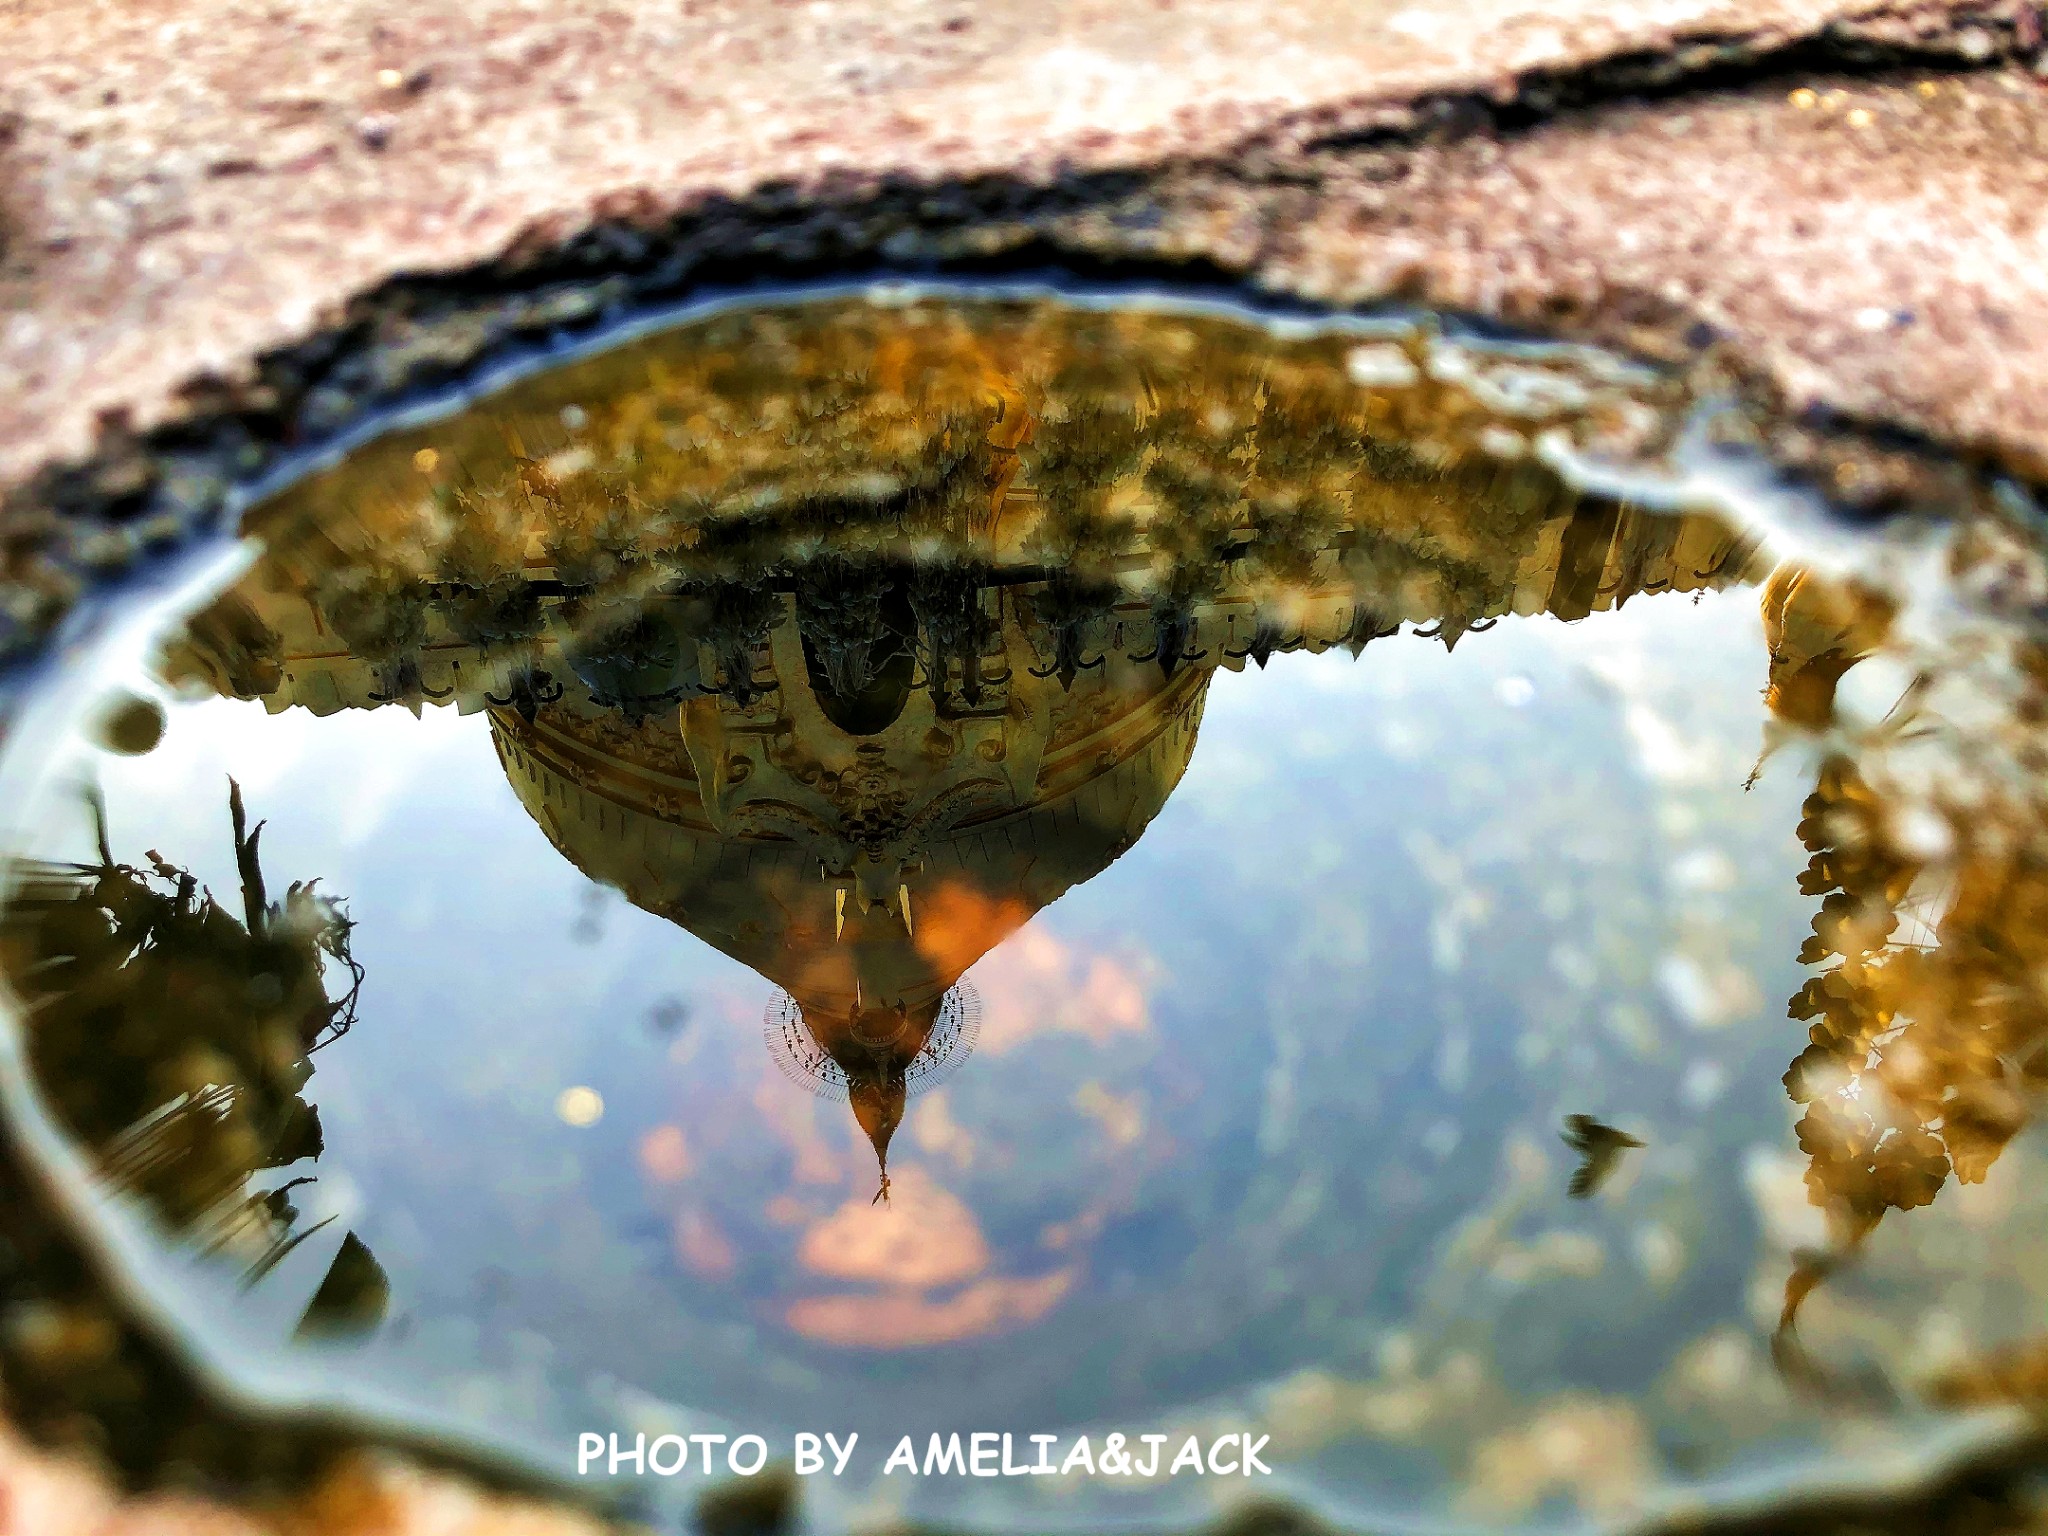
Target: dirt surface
187,184
1880,250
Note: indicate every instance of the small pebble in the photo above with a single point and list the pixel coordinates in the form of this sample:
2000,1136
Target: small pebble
131,725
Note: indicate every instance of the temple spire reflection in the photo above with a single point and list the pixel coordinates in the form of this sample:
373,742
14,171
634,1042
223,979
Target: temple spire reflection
849,653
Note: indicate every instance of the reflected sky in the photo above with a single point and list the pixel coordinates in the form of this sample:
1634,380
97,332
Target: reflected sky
991,956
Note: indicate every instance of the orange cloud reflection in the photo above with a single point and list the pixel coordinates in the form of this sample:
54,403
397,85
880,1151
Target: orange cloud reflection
958,923
1040,983
924,1240
908,1319
702,1247
665,1155
924,1237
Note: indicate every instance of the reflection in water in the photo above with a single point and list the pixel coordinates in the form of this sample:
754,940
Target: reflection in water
853,714
1927,1017
848,639
177,1038
1599,1147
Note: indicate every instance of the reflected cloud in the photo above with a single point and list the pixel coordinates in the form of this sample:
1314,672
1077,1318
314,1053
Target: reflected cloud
907,1320
1120,1116
928,1256
940,1135
702,1247
1596,1449
928,1238
665,1155
1041,983
788,1117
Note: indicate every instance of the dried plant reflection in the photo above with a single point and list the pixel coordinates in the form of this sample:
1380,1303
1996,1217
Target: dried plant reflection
1928,1026
176,1034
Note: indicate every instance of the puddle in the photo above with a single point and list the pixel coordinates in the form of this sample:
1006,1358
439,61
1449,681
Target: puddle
908,863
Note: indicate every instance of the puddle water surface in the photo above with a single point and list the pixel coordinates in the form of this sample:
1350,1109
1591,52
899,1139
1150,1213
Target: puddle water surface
996,865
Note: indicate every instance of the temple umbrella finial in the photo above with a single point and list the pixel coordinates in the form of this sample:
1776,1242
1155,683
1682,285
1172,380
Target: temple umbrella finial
878,1103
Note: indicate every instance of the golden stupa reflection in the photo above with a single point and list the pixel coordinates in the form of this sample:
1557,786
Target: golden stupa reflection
850,643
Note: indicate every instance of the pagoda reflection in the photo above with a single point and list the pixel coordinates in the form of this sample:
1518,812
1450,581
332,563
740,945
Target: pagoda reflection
850,641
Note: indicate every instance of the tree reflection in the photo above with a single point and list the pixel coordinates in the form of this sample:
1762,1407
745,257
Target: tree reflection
1926,1017
174,1034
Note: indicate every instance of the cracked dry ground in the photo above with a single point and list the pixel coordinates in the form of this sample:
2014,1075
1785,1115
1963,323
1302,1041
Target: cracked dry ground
227,227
